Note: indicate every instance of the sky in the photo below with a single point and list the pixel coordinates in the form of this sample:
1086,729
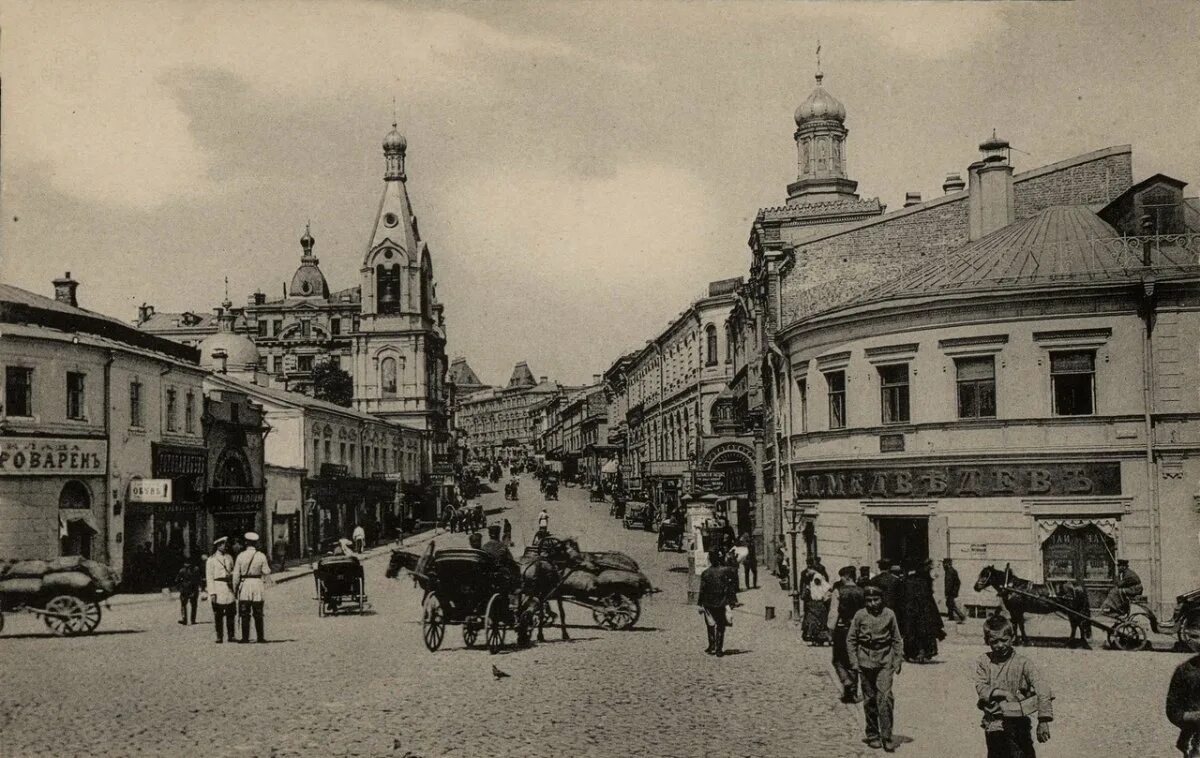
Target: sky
580,170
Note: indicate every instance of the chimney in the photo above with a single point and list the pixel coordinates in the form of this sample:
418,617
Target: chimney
144,313
596,378
221,357
64,290
990,201
953,183
911,198
260,298
542,379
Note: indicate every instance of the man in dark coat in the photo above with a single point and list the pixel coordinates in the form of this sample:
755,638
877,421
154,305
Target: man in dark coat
715,596
920,623
1183,705
953,585
850,599
889,584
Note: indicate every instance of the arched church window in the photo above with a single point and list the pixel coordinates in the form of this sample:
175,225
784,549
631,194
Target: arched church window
387,288
387,377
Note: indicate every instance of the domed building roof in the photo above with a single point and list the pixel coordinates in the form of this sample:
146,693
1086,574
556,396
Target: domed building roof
820,105
308,281
240,353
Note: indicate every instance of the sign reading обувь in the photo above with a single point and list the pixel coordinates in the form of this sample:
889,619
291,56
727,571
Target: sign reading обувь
981,480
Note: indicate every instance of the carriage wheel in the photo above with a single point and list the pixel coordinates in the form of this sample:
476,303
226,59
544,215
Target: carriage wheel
494,623
1189,632
470,632
68,615
1127,635
617,611
433,623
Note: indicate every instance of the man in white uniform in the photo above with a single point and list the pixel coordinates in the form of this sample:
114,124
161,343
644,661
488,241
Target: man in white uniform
249,571
218,575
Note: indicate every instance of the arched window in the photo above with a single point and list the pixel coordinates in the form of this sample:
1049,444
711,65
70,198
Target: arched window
74,495
232,471
387,377
710,337
387,287
728,343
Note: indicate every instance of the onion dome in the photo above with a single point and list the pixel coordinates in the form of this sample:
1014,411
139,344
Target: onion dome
820,105
394,141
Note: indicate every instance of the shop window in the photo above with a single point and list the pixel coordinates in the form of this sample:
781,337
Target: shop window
976,387
76,408
18,391
893,383
1073,382
171,408
135,403
1082,554
835,388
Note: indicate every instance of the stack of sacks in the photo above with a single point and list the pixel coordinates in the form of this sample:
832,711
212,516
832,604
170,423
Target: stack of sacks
632,583
611,560
67,575
579,583
22,577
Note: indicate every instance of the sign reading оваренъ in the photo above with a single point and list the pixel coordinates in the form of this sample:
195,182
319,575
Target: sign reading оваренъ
25,456
961,480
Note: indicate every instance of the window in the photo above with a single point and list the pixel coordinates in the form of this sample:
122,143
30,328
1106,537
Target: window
304,363
335,326
305,328
835,387
335,361
710,341
74,496
802,393
328,451
135,403
262,328
352,454
893,382
728,344
171,408
262,363
1072,379
342,452
387,377
276,326
976,387
235,413
316,455
18,391
75,397
189,413
271,364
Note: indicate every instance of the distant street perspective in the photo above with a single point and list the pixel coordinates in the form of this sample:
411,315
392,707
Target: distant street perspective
656,379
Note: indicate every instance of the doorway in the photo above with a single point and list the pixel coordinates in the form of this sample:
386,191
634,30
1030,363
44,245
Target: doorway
902,540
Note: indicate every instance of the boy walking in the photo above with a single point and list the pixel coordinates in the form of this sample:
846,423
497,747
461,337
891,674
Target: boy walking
876,651
1010,690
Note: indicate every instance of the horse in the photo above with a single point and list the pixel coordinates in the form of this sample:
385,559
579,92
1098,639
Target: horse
1021,596
542,572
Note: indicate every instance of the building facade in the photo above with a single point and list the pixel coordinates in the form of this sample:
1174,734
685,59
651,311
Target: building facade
499,422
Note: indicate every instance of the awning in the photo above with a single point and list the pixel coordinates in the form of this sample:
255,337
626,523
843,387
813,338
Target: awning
610,467
79,517
286,507
1047,526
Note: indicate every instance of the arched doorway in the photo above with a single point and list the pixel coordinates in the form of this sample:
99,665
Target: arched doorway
735,462
74,511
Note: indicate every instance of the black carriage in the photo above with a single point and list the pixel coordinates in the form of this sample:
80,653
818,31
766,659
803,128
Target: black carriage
551,489
466,588
596,495
639,515
670,535
341,586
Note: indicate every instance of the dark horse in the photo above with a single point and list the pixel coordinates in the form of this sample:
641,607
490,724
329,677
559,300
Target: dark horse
1021,596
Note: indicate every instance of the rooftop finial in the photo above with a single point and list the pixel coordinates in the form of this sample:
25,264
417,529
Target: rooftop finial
820,75
227,303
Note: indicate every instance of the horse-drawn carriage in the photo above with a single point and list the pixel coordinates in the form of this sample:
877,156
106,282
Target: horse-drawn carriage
511,490
1128,630
640,515
609,584
596,495
64,592
341,586
670,534
550,491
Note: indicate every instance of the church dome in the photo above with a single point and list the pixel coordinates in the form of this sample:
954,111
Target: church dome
820,105
240,352
308,281
394,141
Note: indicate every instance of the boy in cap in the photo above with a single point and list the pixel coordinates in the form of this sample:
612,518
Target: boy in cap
218,575
248,572
876,651
1010,690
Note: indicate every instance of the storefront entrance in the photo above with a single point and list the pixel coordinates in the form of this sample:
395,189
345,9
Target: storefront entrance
1083,554
903,539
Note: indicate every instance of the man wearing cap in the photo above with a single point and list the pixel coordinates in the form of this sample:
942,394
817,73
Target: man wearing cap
889,583
218,575
952,586
500,552
248,572
1128,587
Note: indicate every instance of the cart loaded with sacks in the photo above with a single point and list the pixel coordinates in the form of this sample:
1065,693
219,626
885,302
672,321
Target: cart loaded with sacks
65,592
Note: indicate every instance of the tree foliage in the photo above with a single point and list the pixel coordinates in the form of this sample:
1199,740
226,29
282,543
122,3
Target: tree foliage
332,384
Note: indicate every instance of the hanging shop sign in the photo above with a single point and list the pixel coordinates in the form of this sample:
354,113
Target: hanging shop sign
47,456
958,481
150,491
709,481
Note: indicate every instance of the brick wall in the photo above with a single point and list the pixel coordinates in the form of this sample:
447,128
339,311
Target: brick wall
836,269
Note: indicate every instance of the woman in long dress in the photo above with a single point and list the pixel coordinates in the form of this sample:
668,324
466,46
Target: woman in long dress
816,609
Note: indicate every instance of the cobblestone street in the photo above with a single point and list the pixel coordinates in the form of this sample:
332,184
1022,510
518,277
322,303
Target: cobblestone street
367,686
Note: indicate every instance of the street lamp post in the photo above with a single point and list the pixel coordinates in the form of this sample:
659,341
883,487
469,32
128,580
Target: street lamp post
794,514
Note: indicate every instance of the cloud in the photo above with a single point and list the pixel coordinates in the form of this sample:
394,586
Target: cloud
930,30
91,90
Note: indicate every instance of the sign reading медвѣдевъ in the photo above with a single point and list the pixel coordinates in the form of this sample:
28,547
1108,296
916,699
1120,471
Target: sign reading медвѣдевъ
961,480
24,456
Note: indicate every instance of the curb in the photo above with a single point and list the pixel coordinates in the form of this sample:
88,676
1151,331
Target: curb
296,572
